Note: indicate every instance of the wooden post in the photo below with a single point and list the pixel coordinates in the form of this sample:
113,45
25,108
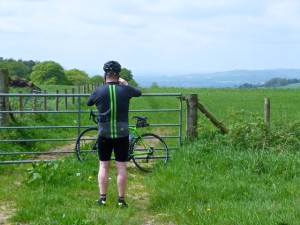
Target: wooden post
57,100
21,103
3,100
213,119
34,102
45,101
66,99
267,111
191,116
73,98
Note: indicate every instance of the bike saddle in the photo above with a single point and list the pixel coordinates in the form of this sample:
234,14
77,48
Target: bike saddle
139,117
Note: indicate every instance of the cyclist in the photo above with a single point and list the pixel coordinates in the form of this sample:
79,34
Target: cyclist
112,101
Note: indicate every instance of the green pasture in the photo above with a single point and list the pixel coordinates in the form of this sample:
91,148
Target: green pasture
284,102
249,176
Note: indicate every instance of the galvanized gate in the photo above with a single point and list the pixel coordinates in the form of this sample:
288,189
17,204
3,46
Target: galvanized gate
164,108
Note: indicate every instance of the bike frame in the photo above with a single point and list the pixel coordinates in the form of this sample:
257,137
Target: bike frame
137,135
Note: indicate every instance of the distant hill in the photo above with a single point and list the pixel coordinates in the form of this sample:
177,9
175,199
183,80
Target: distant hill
224,79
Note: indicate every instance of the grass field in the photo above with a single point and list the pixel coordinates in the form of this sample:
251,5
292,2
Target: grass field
250,176
202,184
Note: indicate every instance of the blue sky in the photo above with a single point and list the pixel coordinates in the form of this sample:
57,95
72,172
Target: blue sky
153,36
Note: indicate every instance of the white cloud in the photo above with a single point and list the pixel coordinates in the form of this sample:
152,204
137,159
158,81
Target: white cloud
152,35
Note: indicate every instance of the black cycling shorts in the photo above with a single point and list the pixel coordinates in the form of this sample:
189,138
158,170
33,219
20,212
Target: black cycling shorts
107,145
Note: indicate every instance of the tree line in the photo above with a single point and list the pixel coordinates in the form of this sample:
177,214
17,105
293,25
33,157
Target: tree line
52,73
274,82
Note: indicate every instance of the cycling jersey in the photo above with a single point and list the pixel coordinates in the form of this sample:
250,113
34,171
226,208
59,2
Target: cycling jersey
112,101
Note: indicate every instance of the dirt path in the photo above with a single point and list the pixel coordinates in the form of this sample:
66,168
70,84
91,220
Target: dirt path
61,152
7,210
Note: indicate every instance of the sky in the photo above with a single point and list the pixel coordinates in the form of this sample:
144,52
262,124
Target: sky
153,36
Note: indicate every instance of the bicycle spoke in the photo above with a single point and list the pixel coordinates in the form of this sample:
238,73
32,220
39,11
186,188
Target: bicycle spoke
86,145
150,151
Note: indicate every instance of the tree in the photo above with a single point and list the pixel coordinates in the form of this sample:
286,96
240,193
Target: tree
127,75
77,77
154,85
29,63
19,68
48,72
248,85
276,82
16,68
96,80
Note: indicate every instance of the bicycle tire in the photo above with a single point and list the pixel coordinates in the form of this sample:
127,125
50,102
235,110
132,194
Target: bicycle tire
86,144
145,162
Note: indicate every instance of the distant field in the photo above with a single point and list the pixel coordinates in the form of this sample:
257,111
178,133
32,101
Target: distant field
292,86
285,103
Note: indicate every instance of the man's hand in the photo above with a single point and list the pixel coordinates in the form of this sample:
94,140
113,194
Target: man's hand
122,81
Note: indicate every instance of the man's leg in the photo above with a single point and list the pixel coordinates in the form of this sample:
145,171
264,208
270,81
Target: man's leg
121,153
103,176
122,178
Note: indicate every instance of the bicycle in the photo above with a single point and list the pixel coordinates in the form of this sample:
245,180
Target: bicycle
146,150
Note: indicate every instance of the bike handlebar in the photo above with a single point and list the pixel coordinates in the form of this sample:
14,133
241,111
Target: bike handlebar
94,117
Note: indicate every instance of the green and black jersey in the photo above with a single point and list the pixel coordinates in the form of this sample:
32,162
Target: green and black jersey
112,101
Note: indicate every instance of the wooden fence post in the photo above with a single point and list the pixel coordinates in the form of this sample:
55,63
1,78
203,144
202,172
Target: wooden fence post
66,99
3,100
57,100
191,116
267,111
73,98
34,102
21,108
45,101
212,118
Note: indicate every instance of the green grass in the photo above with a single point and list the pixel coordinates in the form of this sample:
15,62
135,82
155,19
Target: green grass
284,102
64,192
250,176
202,184
225,186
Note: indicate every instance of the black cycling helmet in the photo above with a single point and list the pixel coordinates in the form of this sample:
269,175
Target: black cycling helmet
112,67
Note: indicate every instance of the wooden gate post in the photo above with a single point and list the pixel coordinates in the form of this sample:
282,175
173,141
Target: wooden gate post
267,111
191,116
3,100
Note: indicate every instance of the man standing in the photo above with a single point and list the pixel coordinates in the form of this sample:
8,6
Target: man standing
112,101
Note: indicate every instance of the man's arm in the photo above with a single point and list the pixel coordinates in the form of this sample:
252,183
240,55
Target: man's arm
134,92
91,100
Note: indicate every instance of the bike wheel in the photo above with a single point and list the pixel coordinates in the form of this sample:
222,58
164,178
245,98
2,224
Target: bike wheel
139,149
86,144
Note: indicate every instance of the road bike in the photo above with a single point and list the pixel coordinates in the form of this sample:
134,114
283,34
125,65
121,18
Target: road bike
146,150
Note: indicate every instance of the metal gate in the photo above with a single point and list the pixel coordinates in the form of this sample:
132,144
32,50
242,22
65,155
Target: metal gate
68,115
